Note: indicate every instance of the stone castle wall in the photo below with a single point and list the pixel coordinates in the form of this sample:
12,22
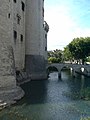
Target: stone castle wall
22,44
34,33
17,17
9,92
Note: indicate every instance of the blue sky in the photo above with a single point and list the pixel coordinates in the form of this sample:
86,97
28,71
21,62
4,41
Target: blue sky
67,19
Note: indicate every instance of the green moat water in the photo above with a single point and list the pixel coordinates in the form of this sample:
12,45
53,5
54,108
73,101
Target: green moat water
51,99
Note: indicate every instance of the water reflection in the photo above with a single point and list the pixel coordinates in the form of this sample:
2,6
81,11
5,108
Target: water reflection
76,85
35,92
52,99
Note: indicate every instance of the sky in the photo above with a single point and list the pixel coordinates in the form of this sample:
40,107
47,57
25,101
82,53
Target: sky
67,19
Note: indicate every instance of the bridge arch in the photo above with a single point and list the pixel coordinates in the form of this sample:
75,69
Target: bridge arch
76,68
57,68
67,67
52,68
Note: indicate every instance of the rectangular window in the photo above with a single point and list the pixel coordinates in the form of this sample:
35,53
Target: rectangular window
14,1
15,35
23,6
43,12
45,48
21,38
45,36
9,15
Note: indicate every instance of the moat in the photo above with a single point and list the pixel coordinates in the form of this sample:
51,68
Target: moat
52,99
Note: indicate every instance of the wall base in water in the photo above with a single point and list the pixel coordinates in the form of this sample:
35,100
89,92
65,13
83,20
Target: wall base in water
9,91
36,67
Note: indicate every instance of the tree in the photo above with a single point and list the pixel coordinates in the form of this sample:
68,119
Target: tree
80,48
67,56
55,56
53,60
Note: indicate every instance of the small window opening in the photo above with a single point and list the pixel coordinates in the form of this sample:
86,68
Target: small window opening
14,1
15,35
45,48
9,15
23,6
45,36
43,12
21,38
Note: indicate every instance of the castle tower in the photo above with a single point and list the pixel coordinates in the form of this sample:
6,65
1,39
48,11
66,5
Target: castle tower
9,91
35,60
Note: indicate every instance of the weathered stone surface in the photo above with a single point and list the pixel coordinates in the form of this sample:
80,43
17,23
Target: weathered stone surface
9,92
11,95
36,67
22,77
26,21
6,61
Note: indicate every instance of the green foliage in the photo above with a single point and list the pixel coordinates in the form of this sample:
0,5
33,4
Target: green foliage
55,56
53,60
67,56
85,118
80,48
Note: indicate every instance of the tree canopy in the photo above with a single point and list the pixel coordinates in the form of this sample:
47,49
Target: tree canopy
67,56
55,56
79,48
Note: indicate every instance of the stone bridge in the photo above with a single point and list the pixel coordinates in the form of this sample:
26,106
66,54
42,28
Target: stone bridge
76,68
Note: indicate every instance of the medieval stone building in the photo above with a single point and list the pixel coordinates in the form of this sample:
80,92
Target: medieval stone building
23,44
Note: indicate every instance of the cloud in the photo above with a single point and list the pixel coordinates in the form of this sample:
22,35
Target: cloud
63,27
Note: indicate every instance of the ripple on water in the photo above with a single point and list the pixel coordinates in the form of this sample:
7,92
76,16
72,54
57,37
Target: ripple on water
49,100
